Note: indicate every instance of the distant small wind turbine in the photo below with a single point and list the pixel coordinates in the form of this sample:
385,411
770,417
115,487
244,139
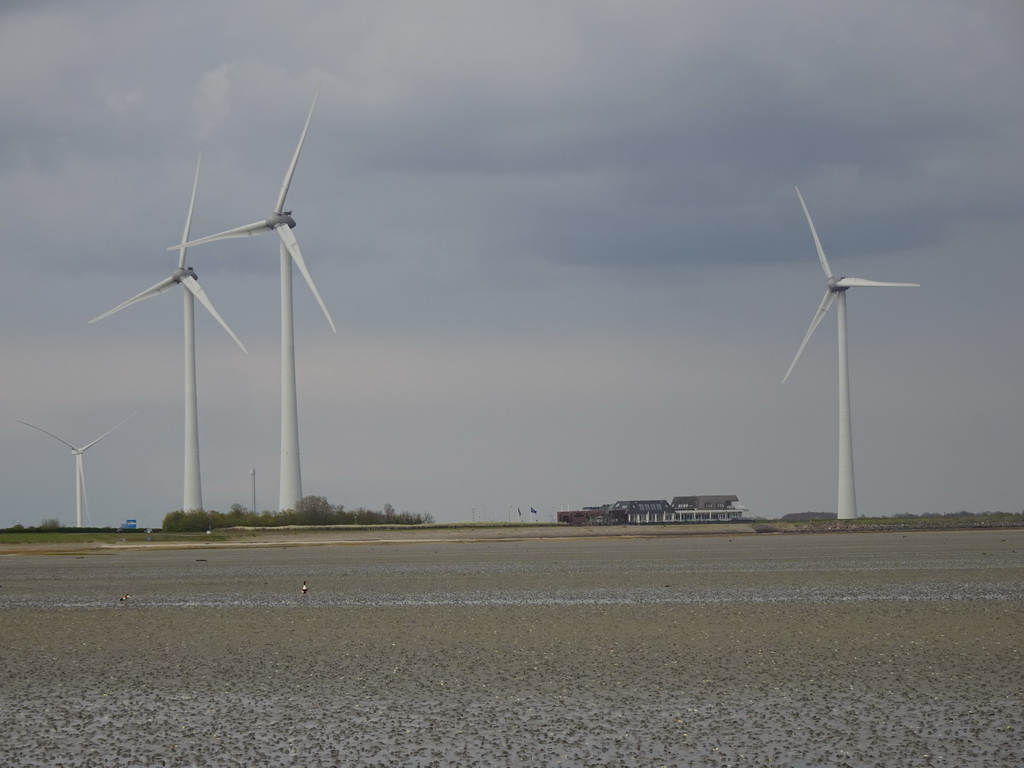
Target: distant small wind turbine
281,221
186,277
80,497
836,288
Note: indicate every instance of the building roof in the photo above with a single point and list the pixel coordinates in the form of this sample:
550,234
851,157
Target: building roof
643,505
701,502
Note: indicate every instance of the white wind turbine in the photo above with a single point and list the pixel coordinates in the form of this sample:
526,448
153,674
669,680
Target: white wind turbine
281,221
836,288
186,278
80,498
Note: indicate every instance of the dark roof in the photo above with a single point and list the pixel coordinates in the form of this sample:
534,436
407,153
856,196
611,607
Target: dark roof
636,505
698,502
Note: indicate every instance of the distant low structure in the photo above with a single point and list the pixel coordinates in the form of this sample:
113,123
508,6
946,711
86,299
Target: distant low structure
587,516
643,511
682,509
708,509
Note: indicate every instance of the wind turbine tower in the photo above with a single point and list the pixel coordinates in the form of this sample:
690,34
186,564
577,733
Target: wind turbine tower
281,221
835,292
186,278
78,453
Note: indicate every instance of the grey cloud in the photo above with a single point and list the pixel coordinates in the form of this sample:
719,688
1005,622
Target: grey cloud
565,232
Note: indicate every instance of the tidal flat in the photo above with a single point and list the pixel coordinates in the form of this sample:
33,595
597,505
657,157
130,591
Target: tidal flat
853,649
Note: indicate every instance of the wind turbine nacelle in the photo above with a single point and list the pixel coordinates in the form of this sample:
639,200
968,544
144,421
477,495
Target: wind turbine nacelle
182,272
835,285
281,218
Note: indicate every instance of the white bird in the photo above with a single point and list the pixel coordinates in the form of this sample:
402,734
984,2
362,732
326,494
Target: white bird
835,291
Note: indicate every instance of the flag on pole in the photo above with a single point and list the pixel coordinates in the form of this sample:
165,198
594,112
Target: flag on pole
520,511
533,511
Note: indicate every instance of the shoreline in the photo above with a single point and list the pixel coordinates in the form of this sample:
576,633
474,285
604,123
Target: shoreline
231,538
352,536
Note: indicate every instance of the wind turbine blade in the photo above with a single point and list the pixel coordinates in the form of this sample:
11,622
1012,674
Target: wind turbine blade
256,228
857,282
69,445
814,234
188,219
156,290
197,290
84,448
823,308
295,160
288,238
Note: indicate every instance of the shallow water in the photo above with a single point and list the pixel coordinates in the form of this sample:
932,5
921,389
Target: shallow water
858,650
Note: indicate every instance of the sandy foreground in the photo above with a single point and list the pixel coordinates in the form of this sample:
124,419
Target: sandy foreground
881,649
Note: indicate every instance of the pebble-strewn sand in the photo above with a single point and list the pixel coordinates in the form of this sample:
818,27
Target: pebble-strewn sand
820,650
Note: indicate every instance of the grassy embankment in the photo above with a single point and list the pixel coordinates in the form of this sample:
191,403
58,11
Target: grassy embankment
69,539
72,537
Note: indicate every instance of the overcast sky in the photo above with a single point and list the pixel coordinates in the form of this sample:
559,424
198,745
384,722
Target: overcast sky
560,241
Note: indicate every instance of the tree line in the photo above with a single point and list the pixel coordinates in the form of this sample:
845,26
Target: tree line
310,510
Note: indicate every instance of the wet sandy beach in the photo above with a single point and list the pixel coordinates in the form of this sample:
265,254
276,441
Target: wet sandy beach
842,650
